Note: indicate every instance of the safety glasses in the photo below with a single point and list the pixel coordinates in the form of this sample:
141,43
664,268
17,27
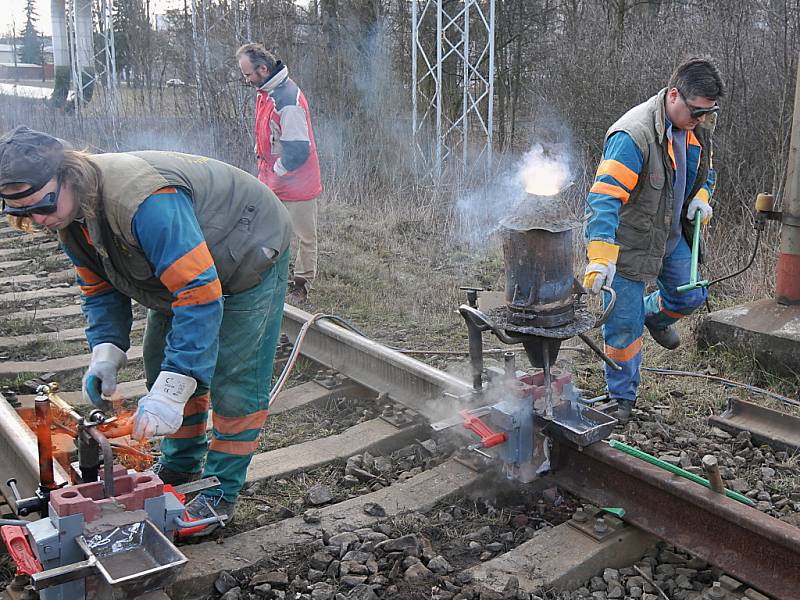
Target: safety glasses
46,206
695,112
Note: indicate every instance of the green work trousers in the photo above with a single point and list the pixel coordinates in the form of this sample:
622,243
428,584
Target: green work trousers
239,391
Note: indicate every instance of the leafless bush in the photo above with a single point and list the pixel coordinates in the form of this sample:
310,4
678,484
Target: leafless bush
566,69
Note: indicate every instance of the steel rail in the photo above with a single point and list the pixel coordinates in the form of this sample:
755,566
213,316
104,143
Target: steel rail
760,550
753,547
20,457
406,380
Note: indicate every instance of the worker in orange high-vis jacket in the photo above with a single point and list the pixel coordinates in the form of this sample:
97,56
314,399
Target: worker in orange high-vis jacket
201,244
655,178
286,152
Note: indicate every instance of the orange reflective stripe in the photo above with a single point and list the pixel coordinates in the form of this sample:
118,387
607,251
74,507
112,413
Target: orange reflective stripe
196,405
624,354
666,311
199,295
188,431
85,233
166,190
608,189
195,262
93,290
671,153
234,425
233,447
691,139
619,171
89,276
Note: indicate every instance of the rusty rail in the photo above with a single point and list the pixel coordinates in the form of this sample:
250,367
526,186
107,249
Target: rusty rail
753,547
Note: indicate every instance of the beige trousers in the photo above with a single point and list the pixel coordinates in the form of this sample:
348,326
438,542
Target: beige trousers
304,240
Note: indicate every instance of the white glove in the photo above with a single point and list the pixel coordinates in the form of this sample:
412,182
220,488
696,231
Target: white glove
701,206
598,275
101,376
161,411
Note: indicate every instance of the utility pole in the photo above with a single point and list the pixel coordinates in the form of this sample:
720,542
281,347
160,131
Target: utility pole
787,285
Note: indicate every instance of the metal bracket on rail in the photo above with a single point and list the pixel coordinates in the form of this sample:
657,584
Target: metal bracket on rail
331,380
595,522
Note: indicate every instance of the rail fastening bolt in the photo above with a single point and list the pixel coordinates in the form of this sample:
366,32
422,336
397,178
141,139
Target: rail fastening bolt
716,592
388,411
580,516
600,525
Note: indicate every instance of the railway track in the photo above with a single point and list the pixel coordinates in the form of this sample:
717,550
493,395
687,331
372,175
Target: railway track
400,397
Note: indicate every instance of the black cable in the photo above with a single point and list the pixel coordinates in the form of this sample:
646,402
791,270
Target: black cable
743,269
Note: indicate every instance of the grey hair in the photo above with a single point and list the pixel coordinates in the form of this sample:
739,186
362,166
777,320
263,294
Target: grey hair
258,55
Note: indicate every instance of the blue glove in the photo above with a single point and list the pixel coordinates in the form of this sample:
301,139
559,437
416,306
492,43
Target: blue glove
100,378
160,412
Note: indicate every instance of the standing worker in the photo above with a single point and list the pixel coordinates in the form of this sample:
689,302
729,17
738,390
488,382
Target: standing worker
287,155
655,178
201,244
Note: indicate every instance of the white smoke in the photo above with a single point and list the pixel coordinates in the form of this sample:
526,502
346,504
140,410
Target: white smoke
542,171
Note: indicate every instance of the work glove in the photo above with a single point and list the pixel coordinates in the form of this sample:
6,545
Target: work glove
100,378
160,412
701,206
602,265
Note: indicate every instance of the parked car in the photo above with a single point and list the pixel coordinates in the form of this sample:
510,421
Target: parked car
175,82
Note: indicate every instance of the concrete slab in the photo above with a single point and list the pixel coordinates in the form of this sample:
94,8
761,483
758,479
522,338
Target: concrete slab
561,558
374,435
13,264
10,369
7,241
764,329
67,335
23,296
63,275
241,551
4,252
41,314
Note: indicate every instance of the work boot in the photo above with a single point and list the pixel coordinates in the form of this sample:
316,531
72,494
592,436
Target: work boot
668,338
624,409
205,505
173,477
298,291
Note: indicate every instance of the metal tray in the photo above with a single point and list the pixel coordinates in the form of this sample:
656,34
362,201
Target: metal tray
578,423
134,559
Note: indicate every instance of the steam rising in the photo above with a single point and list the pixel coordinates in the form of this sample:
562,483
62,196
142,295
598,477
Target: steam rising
523,190
543,175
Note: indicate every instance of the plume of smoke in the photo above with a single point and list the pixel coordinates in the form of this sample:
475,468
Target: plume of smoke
544,171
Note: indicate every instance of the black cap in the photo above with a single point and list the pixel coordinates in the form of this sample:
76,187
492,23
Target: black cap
28,156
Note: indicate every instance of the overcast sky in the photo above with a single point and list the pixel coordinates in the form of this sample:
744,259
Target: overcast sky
14,11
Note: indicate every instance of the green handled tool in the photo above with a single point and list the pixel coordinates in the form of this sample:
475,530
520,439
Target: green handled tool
693,283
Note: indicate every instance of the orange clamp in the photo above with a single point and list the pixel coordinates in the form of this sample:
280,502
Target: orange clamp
488,437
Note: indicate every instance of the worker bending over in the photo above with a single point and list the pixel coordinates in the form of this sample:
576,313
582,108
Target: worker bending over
203,246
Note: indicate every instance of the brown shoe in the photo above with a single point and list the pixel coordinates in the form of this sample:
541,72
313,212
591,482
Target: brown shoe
298,291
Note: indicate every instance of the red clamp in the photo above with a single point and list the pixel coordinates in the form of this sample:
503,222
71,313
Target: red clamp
20,550
488,437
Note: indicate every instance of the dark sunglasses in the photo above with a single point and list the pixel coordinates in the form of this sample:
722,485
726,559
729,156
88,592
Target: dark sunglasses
46,206
695,112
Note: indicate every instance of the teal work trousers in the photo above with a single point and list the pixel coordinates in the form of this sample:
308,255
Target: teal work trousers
239,391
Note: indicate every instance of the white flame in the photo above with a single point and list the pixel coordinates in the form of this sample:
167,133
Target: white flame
542,175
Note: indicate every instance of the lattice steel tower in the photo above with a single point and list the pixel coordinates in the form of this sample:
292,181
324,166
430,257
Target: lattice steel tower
453,83
91,45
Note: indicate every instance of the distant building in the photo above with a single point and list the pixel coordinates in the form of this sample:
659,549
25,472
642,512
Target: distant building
7,53
12,68
21,71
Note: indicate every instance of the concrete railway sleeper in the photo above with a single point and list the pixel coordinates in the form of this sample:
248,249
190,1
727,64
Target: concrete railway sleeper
495,568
